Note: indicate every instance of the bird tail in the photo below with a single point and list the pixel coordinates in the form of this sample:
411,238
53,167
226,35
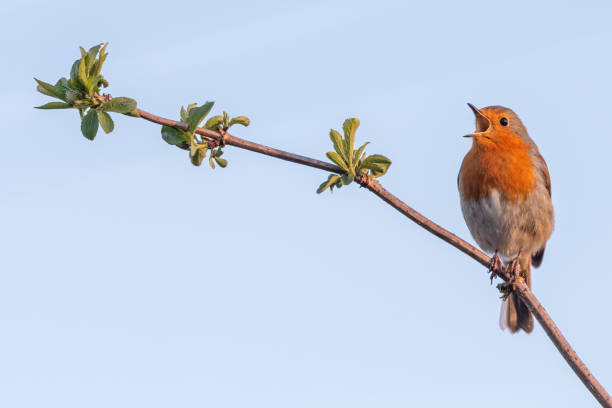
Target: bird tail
515,314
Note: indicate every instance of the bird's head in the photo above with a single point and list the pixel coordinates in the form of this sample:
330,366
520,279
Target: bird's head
497,125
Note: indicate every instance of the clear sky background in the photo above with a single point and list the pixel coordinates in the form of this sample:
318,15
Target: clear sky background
130,278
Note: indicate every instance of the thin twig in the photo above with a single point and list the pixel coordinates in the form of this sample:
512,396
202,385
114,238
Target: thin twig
245,144
521,288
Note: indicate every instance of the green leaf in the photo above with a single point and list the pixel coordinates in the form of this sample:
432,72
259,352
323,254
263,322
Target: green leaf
54,105
225,120
82,103
336,139
198,156
71,95
119,105
82,72
89,124
350,126
133,113
376,158
74,82
377,163
74,71
347,179
214,122
375,168
335,157
172,136
218,152
239,120
184,115
97,67
47,89
106,122
92,84
332,179
359,153
211,162
91,56
196,116
193,149
221,162
61,82
61,86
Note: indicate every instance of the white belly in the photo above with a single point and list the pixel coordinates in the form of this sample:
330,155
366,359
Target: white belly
507,227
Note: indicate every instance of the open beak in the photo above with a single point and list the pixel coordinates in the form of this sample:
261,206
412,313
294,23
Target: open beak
482,122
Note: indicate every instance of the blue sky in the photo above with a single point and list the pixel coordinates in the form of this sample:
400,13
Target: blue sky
132,278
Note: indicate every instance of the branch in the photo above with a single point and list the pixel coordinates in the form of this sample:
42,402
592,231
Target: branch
521,288
82,92
228,139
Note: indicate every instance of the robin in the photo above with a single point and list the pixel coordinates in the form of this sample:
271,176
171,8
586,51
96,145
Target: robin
504,188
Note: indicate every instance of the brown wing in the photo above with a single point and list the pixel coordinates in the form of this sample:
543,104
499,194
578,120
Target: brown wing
545,173
536,259
458,178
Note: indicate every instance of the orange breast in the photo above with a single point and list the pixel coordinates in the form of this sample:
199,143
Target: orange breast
504,165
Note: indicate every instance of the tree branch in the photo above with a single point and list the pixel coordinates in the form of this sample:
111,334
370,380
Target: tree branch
245,144
521,288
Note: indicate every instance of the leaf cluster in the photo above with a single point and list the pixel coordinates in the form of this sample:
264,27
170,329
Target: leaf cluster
198,145
82,92
354,163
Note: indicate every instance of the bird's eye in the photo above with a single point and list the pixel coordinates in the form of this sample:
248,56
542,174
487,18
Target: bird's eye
503,121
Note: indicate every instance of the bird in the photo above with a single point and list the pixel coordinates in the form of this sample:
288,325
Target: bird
505,194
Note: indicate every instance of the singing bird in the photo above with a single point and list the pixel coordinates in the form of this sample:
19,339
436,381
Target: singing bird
504,187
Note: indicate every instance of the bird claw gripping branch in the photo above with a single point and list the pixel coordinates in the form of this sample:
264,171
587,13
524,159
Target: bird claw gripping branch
513,271
495,266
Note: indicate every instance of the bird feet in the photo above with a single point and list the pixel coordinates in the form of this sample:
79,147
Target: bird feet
513,271
495,266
